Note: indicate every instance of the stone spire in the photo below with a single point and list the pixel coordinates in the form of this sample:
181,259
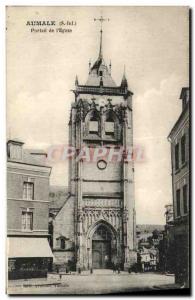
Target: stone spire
124,82
100,51
101,20
99,73
76,81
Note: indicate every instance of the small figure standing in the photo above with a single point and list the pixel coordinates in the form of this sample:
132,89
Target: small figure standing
114,267
119,270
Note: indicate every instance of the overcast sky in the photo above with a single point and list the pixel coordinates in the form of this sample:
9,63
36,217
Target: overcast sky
152,42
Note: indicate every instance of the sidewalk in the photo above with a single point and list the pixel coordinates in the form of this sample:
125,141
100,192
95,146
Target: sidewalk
99,282
34,282
173,286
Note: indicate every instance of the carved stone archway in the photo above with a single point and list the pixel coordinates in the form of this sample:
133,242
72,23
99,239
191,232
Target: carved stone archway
112,239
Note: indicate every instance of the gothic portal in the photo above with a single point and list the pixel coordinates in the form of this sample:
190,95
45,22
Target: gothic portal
98,218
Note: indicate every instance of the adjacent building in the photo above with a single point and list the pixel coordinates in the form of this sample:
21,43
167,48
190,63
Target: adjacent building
28,250
147,259
58,243
149,238
96,224
166,246
179,138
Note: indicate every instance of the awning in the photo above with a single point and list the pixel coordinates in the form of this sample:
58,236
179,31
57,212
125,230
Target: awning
28,247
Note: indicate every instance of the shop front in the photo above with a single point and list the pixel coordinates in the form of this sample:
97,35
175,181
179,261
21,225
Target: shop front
28,257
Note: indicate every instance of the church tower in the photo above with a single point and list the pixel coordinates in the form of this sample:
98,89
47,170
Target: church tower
101,179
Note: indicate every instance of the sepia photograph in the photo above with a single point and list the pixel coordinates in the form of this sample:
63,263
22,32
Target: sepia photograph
98,150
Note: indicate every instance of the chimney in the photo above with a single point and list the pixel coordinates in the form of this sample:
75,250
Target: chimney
15,149
185,95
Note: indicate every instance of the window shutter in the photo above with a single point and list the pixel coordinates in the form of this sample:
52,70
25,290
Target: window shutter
109,127
93,126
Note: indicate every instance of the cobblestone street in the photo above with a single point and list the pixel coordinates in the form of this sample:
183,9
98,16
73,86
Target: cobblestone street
103,282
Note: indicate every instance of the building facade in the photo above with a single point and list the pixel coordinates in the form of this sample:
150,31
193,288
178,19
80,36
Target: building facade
166,245
29,254
57,199
97,221
180,139
147,259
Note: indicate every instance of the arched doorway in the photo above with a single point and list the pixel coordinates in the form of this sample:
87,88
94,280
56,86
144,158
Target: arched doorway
101,248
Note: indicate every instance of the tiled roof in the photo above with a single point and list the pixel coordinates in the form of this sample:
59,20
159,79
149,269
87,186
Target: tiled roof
94,77
37,151
94,80
57,196
28,158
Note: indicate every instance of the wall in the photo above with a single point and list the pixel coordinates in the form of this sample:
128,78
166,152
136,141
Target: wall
181,176
64,223
16,175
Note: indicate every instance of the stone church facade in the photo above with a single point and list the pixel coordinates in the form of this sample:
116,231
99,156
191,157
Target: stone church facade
96,225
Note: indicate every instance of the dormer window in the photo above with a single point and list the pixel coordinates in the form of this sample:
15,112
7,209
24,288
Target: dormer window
109,128
93,127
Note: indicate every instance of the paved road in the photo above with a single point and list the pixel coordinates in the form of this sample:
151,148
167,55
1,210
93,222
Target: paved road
98,283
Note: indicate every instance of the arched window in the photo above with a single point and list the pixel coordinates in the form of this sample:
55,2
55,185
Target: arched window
62,243
102,233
